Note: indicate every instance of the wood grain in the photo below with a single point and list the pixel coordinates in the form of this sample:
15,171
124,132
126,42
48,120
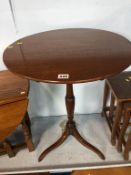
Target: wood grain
120,85
105,171
13,102
11,115
12,87
83,54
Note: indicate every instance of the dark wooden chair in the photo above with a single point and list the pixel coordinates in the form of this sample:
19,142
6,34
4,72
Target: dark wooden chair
13,112
117,92
122,134
127,147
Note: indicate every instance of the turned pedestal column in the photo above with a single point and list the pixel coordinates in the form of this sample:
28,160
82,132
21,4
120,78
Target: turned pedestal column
70,128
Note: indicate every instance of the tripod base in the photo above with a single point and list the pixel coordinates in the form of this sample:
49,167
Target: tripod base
71,130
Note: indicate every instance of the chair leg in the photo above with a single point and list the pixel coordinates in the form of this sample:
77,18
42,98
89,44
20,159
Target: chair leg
27,135
8,148
111,106
27,119
28,122
116,123
123,130
127,147
105,97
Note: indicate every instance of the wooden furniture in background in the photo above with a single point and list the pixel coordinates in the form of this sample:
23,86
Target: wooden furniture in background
37,174
127,147
103,171
122,134
13,111
69,56
120,107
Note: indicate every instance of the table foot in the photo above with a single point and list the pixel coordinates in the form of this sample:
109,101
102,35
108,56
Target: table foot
55,145
71,130
87,144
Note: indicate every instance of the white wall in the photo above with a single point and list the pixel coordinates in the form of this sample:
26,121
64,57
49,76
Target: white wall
34,16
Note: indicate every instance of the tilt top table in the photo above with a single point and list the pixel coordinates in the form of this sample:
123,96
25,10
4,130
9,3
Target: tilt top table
69,56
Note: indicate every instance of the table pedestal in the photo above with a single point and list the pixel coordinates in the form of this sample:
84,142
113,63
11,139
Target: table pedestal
70,127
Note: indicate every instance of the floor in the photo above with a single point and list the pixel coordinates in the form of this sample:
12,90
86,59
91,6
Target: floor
69,156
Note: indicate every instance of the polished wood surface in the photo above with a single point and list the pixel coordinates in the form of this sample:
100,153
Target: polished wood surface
105,171
121,85
80,54
13,102
13,112
11,115
12,88
69,56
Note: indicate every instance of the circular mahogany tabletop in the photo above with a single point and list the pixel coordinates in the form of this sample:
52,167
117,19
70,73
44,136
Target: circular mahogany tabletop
69,55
